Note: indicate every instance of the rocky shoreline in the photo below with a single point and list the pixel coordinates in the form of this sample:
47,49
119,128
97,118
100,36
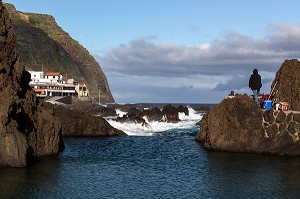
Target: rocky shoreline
238,124
79,123
135,113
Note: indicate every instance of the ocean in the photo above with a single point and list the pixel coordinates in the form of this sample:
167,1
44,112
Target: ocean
187,124
161,162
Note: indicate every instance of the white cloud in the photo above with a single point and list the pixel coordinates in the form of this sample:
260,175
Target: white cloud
190,81
221,65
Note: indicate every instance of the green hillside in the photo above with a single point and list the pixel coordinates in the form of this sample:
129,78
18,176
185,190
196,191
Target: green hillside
42,43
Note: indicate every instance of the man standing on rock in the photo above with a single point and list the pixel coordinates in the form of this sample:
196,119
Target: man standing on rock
255,84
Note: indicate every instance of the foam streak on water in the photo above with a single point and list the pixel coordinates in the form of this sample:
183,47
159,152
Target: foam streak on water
133,129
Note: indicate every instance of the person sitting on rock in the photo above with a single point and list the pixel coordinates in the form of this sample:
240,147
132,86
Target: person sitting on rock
255,84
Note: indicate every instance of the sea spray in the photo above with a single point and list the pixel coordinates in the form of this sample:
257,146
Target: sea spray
120,113
187,124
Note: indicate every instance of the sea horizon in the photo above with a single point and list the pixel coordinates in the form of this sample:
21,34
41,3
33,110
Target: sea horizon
161,104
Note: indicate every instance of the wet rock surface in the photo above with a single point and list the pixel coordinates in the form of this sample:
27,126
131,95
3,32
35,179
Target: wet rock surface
168,113
135,113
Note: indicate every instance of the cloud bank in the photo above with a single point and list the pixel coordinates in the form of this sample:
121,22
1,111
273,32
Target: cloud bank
145,71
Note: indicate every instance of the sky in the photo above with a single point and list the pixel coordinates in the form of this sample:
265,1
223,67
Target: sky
175,51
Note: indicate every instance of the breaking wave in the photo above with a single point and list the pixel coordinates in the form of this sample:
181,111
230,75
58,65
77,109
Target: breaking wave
187,126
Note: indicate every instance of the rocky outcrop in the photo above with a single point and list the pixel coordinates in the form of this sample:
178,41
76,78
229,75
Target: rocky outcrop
168,114
153,114
182,109
26,130
202,109
132,118
286,85
77,123
239,125
92,109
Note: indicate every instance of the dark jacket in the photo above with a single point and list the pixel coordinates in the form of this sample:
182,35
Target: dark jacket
255,81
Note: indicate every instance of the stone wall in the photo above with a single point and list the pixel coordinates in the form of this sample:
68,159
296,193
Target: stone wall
286,122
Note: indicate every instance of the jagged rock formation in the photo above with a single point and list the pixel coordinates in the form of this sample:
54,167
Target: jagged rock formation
26,129
286,84
78,123
239,125
168,114
58,52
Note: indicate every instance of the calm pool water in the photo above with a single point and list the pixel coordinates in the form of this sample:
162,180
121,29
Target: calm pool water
165,166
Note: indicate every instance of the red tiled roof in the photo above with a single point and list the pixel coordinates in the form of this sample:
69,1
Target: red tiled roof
51,73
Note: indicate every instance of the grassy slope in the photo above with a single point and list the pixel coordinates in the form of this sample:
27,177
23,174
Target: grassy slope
41,42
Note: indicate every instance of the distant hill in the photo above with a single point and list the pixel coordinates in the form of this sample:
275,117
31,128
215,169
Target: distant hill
42,43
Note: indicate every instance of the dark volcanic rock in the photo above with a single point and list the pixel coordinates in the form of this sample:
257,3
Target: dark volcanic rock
281,117
77,123
26,130
182,109
202,109
233,125
134,115
170,114
286,84
296,117
137,113
106,111
269,116
134,112
93,109
239,125
133,119
154,114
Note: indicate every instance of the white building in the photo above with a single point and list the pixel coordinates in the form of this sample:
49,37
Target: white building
82,90
53,77
36,75
50,84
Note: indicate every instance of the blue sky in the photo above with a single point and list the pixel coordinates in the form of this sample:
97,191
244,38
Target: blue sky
192,51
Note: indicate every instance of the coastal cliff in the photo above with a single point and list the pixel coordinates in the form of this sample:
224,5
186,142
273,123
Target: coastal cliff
58,52
27,130
238,124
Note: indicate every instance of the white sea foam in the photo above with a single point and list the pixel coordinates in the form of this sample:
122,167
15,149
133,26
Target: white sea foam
120,113
139,130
